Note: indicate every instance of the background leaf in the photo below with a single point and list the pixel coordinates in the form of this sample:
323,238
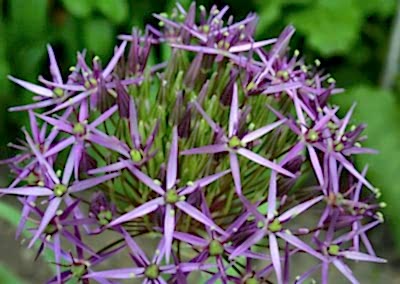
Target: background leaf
116,10
79,8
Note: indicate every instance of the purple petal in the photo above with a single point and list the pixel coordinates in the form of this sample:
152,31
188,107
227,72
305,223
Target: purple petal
48,215
264,162
133,124
316,165
246,245
234,112
89,183
54,69
146,180
135,248
199,216
33,88
276,261
104,116
295,241
249,137
172,168
235,168
190,239
169,228
203,182
114,60
140,211
210,122
298,209
209,149
249,46
345,270
59,146
272,192
63,126
41,104
110,168
273,89
72,101
28,191
121,273
355,255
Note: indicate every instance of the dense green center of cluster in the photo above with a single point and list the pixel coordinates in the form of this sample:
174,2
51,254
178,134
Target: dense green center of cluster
215,248
171,196
152,271
59,190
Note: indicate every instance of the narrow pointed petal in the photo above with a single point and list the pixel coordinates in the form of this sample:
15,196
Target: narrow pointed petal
355,255
172,168
114,60
199,216
133,124
298,209
41,91
72,101
28,191
272,192
146,180
110,168
203,182
349,166
295,241
210,122
104,116
249,137
209,149
248,243
41,104
54,69
169,228
234,112
345,270
316,165
121,273
140,211
249,46
276,260
59,124
264,162
135,248
273,89
190,239
51,210
235,169
59,146
92,182
69,166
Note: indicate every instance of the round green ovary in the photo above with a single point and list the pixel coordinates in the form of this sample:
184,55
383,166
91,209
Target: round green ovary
78,270
252,280
50,229
136,156
234,142
171,196
59,190
104,217
215,248
333,249
275,226
152,272
312,135
79,129
58,92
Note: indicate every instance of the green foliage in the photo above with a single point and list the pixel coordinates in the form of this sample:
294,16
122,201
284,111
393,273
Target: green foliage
96,36
332,27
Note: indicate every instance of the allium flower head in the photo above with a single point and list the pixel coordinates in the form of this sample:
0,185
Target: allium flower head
228,159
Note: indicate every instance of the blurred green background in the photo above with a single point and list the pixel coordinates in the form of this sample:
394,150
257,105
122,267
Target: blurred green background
357,41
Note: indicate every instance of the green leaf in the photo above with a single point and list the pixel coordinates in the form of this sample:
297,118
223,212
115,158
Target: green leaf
330,27
383,8
12,216
79,8
98,36
380,111
270,11
6,276
115,10
26,24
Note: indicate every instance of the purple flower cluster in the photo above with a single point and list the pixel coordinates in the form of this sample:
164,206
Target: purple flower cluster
208,157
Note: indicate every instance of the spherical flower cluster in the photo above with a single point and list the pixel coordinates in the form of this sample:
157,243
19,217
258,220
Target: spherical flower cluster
228,156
